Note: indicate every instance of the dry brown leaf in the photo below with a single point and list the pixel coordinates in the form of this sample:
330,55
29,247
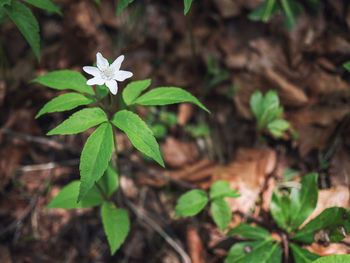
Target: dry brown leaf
332,249
339,170
337,196
179,154
199,171
228,8
195,246
184,113
247,175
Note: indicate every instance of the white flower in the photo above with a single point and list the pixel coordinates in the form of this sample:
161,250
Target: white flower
107,74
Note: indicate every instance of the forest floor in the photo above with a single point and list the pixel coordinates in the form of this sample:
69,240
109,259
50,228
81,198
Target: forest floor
220,56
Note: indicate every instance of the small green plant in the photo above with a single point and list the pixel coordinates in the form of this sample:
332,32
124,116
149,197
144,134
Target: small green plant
24,19
193,201
160,120
268,113
98,174
291,10
289,208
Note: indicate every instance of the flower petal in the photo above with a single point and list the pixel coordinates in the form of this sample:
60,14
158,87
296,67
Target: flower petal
113,86
101,62
95,81
117,63
92,71
122,75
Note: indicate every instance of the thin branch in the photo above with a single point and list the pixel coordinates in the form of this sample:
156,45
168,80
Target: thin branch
140,213
48,166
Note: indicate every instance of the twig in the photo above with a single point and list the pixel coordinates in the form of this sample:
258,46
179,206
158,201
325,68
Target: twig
47,166
18,222
142,215
41,140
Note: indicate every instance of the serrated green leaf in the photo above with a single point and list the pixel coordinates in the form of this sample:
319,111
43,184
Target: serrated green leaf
139,134
109,180
191,203
68,196
292,10
346,65
187,6
134,89
123,4
302,255
167,95
116,224
80,121
95,157
250,232
333,222
303,201
45,4
333,259
26,23
280,208
65,79
5,2
254,251
221,213
65,102
221,189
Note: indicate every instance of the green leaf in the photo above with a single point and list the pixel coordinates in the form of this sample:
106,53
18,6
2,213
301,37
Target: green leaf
292,10
109,180
303,201
191,203
302,255
5,2
332,223
134,89
187,6
102,91
250,232
254,251
265,11
139,134
116,224
277,126
95,157
256,104
346,65
221,212
80,121
45,4
65,102
334,259
26,23
65,79
280,208
68,196
221,189
167,95
123,4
